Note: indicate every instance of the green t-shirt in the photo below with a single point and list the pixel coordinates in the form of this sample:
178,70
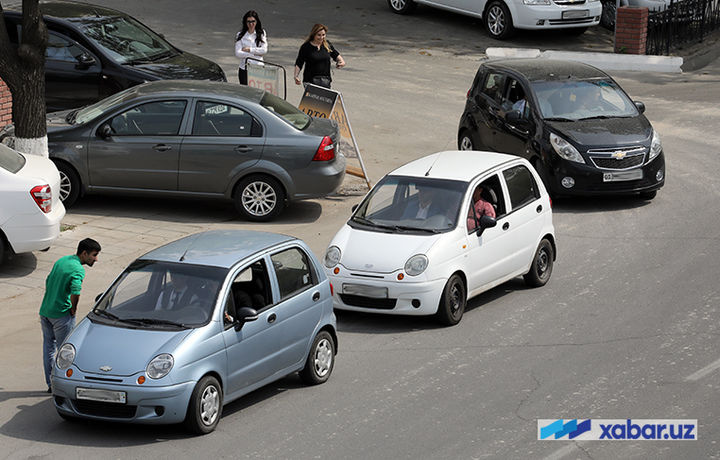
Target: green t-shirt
64,279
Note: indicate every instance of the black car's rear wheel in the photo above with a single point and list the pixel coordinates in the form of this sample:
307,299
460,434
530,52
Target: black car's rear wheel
259,198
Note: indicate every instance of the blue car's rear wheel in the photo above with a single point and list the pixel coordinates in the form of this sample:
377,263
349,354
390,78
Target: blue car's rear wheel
320,360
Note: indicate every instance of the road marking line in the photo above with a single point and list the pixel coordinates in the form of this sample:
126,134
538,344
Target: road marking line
562,452
704,371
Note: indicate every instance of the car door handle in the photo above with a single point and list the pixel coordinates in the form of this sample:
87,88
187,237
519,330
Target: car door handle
316,296
539,208
162,147
271,318
242,148
506,225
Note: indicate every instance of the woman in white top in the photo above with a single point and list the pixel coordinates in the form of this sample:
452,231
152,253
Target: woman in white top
250,42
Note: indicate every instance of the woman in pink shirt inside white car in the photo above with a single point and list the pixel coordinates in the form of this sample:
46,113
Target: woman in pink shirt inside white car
482,208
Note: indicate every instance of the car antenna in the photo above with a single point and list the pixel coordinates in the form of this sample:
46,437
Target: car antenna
182,257
427,173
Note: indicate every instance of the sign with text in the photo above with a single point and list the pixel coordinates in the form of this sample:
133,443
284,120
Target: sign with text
266,76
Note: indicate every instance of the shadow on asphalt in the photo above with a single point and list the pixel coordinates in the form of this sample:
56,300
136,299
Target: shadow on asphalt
18,265
369,323
186,211
586,205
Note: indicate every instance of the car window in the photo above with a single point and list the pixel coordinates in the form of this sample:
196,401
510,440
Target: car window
293,271
582,99
160,118
493,86
217,119
60,48
11,160
492,201
285,111
250,288
514,98
521,185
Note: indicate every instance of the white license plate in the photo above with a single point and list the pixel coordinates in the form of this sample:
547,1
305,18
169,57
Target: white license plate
93,394
575,14
620,176
365,291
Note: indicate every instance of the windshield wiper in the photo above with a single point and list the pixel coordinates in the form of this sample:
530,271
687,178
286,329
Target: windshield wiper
559,119
147,321
364,221
70,117
426,230
597,117
106,314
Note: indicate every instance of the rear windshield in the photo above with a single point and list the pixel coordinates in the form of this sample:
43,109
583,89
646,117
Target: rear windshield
285,110
10,159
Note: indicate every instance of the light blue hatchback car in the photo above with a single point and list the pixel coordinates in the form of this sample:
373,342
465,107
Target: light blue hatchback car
195,324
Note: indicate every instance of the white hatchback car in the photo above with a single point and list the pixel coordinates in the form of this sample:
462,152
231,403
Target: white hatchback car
415,244
30,207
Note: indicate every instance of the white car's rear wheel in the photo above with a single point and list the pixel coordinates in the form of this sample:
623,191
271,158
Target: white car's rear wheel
542,265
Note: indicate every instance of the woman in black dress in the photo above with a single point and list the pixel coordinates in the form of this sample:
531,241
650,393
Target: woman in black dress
315,55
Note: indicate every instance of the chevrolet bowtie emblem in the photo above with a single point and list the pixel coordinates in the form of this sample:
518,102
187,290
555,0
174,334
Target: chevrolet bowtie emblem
105,368
619,155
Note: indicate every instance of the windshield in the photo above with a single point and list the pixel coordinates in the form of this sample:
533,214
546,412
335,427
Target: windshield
93,111
411,204
285,110
125,40
579,100
11,160
153,294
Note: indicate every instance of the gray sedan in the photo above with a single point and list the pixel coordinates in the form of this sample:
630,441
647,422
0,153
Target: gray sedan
199,139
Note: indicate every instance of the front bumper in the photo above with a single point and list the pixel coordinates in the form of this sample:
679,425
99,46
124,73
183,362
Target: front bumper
400,294
145,404
535,17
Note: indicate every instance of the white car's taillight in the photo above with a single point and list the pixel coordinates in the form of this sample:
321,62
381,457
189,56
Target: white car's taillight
42,196
326,151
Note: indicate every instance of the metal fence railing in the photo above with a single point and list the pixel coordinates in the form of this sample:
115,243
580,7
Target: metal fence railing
682,22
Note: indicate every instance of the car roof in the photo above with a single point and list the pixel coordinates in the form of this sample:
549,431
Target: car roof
462,165
547,69
218,248
64,9
193,88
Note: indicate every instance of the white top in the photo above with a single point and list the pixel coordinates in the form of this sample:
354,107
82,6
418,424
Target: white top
248,40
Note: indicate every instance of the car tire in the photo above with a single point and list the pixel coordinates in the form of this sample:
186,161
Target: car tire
205,406
259,198
648,195
541,266
2,248
465,141
452,301
607,17
498,22
69,184
320,361
402,6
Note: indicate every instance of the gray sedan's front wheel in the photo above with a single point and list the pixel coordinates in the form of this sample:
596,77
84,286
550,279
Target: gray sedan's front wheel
259,198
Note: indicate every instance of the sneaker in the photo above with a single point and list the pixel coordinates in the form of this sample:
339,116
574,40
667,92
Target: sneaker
49,390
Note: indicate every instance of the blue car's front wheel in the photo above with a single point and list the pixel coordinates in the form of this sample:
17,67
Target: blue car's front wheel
205,407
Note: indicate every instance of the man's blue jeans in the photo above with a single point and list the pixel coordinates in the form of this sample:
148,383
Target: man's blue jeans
55,331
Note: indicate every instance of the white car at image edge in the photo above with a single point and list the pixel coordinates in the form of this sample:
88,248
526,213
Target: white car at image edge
30,207
418,243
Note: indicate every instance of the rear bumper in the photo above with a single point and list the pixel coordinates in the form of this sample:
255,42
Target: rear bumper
34,231
319,179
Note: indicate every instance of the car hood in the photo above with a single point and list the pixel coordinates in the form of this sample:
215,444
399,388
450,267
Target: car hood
605,132
126,351
57,120
182,66
378,252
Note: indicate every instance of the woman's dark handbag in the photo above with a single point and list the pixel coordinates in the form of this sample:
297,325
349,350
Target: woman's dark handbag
321,81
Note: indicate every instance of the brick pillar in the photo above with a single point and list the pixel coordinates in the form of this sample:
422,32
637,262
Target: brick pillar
631,30
5,105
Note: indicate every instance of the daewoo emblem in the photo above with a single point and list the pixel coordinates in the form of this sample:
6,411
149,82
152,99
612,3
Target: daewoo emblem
368,265
105,368
619,155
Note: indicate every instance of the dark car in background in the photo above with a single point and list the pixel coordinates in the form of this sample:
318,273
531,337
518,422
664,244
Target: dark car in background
572,121
94,51
202,139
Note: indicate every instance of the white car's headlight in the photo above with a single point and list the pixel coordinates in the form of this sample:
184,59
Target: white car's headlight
536,2
655,146
160,366
416,264
65,356
332,256
565,149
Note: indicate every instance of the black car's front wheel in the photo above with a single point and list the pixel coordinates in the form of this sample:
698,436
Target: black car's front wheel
465,141
259,198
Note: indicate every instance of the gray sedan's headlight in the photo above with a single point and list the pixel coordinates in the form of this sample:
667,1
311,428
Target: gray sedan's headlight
332,256
565,149
416,264
160,366
655,146
65,356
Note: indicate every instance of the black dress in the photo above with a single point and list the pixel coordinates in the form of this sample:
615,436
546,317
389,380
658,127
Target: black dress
316,61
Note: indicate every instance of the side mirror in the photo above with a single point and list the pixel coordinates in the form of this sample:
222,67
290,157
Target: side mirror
487,222
97,297
105,131
245,315
640,106
513,115
85,61
354,207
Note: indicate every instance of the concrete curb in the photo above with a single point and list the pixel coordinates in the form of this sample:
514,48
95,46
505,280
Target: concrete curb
604,61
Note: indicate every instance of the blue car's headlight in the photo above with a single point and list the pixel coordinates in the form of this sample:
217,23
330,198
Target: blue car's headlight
160,366
65,356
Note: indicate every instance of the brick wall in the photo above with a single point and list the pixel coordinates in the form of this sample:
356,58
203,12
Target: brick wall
5,105
631,30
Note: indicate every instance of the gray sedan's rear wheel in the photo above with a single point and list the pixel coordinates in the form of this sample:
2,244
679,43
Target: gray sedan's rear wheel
69,184
259,198
402,6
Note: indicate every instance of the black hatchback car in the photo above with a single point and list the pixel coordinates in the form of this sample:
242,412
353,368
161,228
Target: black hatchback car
94,51
572,121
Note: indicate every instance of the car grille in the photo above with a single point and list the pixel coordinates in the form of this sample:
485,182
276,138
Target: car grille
104,409
368,302
604,159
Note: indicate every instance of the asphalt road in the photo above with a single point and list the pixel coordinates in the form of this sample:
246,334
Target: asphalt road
626,328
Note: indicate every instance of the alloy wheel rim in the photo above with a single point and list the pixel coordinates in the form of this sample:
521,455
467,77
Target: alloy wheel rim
323,358
465,143
397,4
209,405
259,198
65,186
496,20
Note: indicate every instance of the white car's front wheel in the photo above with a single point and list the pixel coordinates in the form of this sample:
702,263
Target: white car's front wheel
452,301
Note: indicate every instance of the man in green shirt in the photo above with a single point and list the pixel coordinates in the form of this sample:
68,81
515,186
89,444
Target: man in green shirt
62,293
